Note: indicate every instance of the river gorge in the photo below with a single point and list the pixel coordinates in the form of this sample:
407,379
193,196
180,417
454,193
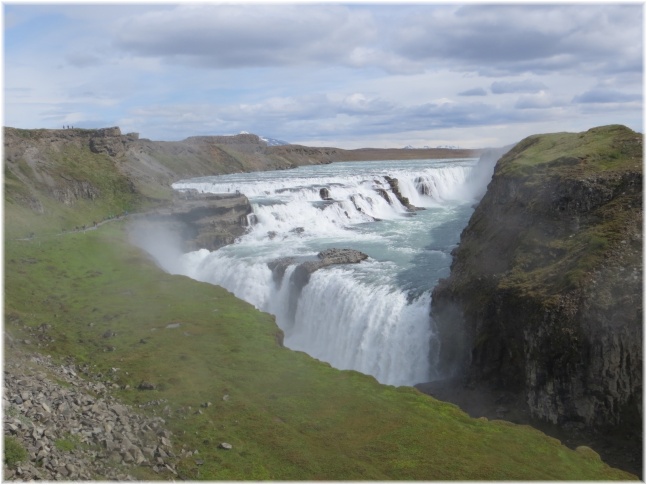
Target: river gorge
372,317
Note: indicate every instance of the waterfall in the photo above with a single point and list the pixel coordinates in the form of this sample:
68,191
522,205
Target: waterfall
373,316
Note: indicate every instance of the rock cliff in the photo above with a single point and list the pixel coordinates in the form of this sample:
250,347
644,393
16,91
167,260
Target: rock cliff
544,297
208,221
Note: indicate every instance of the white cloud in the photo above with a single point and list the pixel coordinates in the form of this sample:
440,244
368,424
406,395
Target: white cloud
526,38
233,36
523,86
356,74
601,95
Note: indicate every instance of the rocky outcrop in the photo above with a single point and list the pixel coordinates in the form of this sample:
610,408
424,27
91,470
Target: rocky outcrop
108,141
70,190
544,298
307,266
395,188
204,221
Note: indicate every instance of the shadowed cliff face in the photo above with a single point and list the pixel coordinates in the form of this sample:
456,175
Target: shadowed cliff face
545,292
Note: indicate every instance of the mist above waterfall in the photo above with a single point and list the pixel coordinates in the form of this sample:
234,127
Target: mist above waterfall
479,178
160,241
373,316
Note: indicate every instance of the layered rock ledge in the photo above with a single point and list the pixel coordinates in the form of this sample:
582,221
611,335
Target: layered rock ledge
208,221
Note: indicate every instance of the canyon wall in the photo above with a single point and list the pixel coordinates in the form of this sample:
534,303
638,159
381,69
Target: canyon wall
544,297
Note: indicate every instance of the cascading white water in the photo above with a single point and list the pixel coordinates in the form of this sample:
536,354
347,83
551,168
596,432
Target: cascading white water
374,316
354,321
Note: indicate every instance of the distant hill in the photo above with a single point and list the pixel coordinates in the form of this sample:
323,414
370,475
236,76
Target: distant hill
426,147
270,142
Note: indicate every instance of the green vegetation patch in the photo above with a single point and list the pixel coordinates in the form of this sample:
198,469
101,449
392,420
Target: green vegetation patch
78,164
14,452
68,443
598,149
92,182
569,201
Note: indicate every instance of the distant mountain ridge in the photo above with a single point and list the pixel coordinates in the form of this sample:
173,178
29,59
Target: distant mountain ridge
271,142
427,147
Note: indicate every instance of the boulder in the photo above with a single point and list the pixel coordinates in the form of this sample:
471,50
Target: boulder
146,386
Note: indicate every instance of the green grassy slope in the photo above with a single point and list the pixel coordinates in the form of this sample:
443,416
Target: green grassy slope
603,148
90,183
288,416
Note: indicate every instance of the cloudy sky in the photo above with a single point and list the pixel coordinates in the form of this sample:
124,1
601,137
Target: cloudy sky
346,75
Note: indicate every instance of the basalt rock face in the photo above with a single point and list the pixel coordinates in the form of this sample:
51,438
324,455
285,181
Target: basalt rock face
110,141
544,297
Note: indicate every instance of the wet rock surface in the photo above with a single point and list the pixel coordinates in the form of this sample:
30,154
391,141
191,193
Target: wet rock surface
306,267
395,188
